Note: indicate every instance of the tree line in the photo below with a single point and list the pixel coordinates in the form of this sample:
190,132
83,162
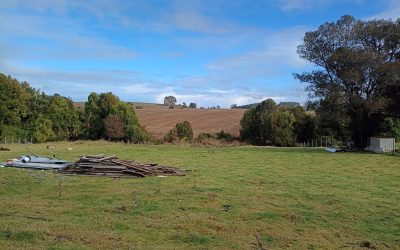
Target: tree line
270,124
26,112
354,88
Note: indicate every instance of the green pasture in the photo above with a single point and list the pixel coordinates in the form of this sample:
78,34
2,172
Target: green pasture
231,198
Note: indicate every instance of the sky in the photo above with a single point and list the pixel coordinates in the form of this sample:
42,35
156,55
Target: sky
217,52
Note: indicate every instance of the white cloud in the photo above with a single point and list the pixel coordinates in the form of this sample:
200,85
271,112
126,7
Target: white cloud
280,49
222,98
59,38
145,88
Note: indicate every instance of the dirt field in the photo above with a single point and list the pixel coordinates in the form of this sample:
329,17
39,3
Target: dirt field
158,120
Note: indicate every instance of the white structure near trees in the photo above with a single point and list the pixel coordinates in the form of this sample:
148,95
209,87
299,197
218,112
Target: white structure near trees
380,144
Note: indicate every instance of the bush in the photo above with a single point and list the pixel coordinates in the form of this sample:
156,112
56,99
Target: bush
136,134
204,136
224,136
184,131
181,131
171,136
43,130
392,127
139,107
13,132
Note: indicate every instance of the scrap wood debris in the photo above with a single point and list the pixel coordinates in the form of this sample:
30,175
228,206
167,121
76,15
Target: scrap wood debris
100,165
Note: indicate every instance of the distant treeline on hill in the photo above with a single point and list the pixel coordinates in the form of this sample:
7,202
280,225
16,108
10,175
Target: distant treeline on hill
27,113
281,104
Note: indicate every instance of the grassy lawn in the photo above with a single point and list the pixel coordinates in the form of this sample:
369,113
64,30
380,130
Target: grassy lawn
287,198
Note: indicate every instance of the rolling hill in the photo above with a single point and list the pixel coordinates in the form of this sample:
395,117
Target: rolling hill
158,120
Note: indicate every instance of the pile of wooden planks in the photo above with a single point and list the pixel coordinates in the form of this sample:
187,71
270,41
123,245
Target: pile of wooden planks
100,165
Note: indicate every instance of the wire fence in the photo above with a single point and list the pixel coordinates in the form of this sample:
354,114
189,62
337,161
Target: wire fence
15,140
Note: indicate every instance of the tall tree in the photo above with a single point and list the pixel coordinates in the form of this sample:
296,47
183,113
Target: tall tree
107,117
257,123
169,101
282,130
357,62
64,117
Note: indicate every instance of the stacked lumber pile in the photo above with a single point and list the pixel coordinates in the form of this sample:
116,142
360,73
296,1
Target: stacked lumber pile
100,165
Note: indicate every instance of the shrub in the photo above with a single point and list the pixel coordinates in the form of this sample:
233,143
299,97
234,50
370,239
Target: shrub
43,130
184,131
204,136
171,136
224,136
181,131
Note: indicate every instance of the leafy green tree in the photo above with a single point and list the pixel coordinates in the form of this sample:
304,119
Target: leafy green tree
108,104
192,105
269,124
282,128
304,127
101,107
392,128
169,101
93,121
43,130
358,61
64,117
134,132
249,128
182,131
13,101
171,136
256,124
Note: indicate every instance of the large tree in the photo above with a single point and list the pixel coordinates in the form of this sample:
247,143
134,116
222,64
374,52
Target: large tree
105,116
169,101
357,73
267,124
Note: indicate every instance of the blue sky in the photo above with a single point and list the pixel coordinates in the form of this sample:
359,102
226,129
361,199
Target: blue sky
217,52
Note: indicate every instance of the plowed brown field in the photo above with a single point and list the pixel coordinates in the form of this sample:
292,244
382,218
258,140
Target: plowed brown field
158,121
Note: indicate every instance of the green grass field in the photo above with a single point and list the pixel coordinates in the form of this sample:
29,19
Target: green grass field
234,198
